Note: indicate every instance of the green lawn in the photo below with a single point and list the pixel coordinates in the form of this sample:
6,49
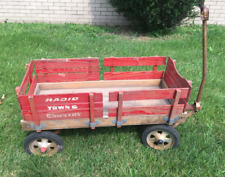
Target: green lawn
112,151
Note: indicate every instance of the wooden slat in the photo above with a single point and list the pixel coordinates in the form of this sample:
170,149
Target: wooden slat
35,116
120,108
151,110
175,104
65,63
26,79
66,106
100,84
72,69
148,94
155,68
65,98
81,123
92,109
32,86
66,77
133,75
64,114
134,61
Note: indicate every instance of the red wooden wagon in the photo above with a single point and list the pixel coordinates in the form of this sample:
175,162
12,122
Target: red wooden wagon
67,93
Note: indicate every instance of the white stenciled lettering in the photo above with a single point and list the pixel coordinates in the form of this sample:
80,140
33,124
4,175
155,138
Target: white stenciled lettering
56,99
67,107
48,100
74,107
68,115
54,107
48,115
60,107
61,99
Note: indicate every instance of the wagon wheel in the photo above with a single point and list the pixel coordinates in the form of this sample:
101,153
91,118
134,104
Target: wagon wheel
43,143
160,137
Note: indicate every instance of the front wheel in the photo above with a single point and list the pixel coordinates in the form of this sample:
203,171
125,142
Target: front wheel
43,143
160,137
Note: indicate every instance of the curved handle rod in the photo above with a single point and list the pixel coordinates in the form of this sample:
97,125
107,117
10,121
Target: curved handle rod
204,17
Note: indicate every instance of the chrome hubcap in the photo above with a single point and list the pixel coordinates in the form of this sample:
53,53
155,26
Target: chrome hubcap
43,146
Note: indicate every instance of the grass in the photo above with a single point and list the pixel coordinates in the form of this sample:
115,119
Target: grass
112,151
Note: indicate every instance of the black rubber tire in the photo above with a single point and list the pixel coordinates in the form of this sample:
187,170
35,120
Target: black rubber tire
162,127
44,134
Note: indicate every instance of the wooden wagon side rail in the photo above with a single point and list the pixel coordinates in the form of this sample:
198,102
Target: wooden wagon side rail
64,70
173,79
66,106
134,61
171,110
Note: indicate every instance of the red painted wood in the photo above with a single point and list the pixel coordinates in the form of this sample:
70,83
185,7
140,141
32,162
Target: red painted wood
155,68
27,116
133,75
23,100
65,98
66,114
72,69
120,108
66,106
148,94
57,100
151,110
34,111
67,77
134,61
65,63
92,109
26,79
32,86
112,68
174,80
67,70
175,104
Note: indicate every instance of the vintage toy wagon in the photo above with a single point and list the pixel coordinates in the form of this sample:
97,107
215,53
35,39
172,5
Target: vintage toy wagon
67,93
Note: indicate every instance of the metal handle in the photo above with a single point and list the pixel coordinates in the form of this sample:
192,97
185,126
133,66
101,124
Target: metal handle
204,17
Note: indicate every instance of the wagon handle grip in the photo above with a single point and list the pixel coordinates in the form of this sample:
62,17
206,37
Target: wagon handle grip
204,18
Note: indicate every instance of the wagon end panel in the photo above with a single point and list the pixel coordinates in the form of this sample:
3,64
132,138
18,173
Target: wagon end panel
21,90
174,80
67,106
67,70
26,88
25,103
134,61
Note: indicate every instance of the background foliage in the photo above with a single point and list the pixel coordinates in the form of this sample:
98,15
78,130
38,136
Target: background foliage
155,15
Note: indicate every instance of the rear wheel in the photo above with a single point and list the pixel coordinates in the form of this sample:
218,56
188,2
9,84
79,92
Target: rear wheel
43,143
160,137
